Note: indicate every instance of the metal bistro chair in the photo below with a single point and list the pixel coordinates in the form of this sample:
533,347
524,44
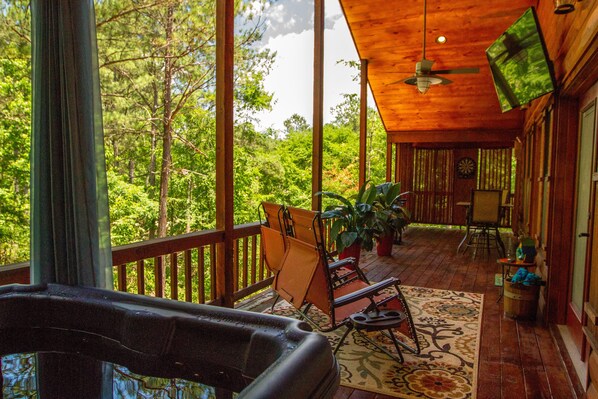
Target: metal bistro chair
483,221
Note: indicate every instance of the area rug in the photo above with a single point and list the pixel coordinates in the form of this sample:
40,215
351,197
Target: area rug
448,326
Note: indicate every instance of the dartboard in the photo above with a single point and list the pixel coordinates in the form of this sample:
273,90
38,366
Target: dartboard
466,168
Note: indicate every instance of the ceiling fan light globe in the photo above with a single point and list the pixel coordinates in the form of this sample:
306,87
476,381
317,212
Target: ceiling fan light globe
423,84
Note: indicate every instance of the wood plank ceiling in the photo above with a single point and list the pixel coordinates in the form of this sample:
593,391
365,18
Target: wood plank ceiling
389,34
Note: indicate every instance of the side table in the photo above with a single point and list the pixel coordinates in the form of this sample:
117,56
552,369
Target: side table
377,320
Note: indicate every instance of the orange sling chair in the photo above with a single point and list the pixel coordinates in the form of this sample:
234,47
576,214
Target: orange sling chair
304,279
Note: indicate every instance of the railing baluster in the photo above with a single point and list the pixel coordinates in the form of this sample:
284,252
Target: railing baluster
253,258
141,277
236,265
188,289
122,277
201,276
174,276
262,275
245,262
212,271
158,267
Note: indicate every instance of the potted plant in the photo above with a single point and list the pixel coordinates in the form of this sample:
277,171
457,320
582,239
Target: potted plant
390,217
353,225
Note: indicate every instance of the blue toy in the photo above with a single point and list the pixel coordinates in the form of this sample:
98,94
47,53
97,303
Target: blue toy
526,278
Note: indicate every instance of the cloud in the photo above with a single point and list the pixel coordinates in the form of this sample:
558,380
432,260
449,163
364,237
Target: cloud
283,17
291,78
290,34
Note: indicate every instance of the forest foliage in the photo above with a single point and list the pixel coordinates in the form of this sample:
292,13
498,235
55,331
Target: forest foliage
157,71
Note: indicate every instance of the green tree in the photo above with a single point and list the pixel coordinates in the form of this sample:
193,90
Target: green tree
15,122
159,73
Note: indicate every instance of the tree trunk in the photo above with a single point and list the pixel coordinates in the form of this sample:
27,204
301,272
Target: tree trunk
189,199
116,152
131,171
154,138
167,139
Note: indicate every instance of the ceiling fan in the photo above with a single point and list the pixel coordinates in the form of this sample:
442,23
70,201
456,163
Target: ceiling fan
424,75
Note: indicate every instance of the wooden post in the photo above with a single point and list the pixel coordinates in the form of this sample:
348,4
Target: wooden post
318,122
363,122
224,149
561,216
397,163
388,161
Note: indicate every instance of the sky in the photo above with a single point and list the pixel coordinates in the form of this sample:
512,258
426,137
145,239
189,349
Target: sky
289,32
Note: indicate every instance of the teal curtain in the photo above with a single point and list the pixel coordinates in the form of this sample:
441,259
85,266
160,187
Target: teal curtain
70,237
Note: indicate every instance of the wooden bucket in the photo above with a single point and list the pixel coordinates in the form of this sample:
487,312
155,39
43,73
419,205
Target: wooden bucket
520,301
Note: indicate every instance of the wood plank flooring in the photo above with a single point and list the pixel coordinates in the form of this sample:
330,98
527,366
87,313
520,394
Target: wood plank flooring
518,359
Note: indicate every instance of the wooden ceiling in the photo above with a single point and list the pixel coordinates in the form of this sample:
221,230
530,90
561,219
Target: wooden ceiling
388,33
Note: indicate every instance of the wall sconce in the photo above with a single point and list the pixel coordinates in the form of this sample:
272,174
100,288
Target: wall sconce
563,6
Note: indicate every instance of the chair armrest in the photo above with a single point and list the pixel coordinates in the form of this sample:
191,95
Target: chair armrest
366,292
341,263
352,262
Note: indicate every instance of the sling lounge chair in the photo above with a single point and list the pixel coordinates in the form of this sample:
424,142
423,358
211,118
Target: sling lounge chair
304,280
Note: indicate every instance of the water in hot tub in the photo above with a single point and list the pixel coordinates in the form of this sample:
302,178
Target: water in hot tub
18,380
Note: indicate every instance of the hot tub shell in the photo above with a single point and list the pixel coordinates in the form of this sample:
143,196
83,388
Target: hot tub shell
258,355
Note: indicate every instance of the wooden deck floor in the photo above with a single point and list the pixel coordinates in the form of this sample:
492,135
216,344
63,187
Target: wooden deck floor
518,359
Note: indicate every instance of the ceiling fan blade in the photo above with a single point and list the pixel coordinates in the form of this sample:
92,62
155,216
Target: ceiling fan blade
445,81
409,80
456,71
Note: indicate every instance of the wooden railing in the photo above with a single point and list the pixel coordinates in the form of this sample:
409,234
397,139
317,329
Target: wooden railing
182,267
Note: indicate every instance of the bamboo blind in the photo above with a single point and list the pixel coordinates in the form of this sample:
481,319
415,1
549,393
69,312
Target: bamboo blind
494,169
433,186
429,174
494,173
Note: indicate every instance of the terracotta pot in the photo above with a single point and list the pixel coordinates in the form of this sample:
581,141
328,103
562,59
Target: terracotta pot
354,250
384,245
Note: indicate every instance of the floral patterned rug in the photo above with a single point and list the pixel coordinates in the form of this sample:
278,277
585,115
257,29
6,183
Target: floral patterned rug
448,326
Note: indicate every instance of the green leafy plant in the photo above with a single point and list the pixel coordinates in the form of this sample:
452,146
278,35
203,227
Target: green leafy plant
353,219
390,216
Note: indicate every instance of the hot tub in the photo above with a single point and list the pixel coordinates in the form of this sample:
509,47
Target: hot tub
255,355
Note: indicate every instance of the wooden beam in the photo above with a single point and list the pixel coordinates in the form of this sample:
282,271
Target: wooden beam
318,123
453,136
224,149
445,146
363,122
